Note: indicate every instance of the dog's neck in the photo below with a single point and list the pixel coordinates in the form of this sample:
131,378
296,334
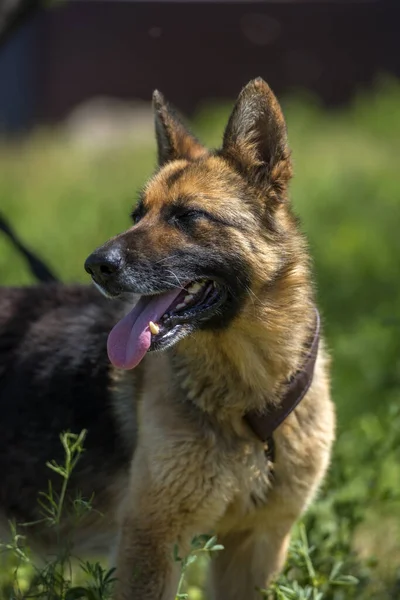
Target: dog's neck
246,365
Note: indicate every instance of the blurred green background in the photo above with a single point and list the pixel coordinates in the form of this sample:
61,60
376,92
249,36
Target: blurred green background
64,199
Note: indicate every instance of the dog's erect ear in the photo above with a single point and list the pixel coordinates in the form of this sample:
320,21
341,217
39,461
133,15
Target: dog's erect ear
255,138
174,141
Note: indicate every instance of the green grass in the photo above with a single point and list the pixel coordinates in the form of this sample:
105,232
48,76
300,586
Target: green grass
64,200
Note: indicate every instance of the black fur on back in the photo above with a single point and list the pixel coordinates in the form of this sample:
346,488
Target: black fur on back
54,376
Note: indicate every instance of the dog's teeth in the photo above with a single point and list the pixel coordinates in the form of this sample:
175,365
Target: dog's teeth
188,298
180,305
193,289
214,284
154,328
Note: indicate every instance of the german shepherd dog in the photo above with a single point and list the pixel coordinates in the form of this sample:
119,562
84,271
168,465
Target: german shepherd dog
218,275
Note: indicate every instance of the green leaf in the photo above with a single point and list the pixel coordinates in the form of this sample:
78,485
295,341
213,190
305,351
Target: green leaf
210,543
191,559
346,580
216,548
335,570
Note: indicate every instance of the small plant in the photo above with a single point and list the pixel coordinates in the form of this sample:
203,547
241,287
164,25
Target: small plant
201,544
55,580
99,586
301,580
53,504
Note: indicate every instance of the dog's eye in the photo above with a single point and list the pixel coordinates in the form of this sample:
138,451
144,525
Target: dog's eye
189,215
136,216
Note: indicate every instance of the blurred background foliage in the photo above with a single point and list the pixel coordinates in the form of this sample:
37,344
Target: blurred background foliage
64,198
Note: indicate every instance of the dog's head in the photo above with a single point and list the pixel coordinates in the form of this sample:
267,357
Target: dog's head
209,229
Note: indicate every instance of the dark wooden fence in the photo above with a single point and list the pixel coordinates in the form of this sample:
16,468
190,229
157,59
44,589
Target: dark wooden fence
192,51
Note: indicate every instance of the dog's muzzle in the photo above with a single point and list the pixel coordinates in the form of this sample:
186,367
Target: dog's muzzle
105,265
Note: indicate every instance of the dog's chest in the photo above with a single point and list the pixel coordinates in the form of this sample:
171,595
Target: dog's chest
254,476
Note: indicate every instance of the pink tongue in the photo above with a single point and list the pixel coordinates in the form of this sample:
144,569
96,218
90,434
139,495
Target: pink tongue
130,339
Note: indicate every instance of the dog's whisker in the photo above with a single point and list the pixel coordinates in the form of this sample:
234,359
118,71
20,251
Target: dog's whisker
253,296
165,259
177,279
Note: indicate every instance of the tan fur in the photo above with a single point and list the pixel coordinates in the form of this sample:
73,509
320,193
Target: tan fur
193,475
198,468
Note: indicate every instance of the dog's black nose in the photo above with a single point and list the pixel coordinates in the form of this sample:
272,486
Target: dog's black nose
103,263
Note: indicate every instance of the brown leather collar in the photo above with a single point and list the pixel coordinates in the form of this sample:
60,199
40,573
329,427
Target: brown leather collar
264,424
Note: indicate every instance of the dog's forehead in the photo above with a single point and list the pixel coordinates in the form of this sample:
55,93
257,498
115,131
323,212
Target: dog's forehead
207,178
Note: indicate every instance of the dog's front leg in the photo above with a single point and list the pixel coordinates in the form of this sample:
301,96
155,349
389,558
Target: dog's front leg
169,502
145,565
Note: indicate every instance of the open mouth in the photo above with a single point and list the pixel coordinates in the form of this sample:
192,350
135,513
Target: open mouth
158,321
